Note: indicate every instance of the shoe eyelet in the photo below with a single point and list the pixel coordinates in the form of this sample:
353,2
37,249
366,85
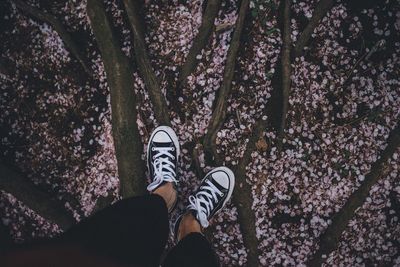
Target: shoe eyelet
173,157
152,149
154,157
221,195
173,148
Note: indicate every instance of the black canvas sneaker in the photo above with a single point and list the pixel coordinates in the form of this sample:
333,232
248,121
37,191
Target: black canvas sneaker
162,157
214,192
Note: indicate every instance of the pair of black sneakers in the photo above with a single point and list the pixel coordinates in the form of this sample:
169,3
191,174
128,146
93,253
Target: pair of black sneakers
162,159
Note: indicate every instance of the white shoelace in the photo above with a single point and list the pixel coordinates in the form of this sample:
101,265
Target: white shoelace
163,167
207,196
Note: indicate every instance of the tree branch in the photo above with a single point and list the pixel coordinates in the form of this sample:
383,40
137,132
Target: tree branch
219,113
286,68
59,28
200,41
196,165
330,238
43,204
243,197
128,145
243,200
150,79
320,11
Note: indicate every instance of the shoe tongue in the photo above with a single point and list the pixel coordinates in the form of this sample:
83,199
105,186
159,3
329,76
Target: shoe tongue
218,185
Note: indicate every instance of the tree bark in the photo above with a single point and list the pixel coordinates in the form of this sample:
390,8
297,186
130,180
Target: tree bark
219,113
330,238
286,69
242,197
128,145
144,65
40,202
60,29
243,201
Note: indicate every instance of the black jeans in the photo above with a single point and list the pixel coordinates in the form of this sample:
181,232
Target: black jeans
133,232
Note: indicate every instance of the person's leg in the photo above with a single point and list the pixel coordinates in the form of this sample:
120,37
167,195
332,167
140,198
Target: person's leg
193,249
6,241
136,230
133,231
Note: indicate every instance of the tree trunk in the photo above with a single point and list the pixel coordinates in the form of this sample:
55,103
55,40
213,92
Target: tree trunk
128,145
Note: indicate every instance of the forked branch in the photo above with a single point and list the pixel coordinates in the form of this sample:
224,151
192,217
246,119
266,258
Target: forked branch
219,113
59,28
282,77
243,198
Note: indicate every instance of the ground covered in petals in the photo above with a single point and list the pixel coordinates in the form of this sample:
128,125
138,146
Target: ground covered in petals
55,121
